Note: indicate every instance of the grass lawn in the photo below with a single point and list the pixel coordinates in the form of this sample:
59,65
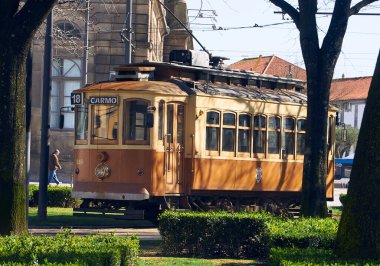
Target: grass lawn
63,217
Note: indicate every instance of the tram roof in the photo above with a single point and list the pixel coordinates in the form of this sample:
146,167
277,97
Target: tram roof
181,87
124,86
250,92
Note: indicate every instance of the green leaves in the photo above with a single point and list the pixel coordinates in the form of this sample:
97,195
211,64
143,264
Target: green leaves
214,234
66,248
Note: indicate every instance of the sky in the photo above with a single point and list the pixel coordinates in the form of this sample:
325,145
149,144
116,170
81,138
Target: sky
274,35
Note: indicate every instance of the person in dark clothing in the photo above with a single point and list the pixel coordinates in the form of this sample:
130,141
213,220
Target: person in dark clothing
54,165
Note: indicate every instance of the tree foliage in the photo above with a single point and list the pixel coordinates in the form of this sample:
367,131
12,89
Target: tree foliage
320,61
359,228
343,147
19,21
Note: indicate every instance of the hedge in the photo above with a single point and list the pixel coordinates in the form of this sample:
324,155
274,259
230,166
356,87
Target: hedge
214,234
311,256
303,232
66,249
57,196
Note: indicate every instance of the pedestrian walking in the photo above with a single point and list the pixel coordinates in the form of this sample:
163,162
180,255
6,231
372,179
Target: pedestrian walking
54,165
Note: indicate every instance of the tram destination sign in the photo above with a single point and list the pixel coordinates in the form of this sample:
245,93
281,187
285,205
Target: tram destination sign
103,100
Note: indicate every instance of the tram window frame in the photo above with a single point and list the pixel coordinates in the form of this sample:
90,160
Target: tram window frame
226,127
277,131
79,110
125,134
330,134
161,120
286,131
262,131
214,126
95,121
301,131
241,129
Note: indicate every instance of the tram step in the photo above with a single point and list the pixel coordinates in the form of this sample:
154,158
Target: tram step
116,214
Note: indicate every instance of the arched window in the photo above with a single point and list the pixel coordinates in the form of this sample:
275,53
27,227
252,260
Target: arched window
244,136
212,130
301,133
135,118
259,134
67,29
228,131
288,135
274,130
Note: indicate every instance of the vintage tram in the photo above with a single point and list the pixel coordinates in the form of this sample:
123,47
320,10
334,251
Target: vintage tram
167,135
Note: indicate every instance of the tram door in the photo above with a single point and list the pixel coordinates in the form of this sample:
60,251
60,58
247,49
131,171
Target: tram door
174,147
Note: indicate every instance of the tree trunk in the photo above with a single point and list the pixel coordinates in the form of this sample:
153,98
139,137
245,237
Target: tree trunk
12,136
359,228
315,160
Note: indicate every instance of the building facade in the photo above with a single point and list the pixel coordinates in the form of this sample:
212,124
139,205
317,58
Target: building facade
350,95
108,44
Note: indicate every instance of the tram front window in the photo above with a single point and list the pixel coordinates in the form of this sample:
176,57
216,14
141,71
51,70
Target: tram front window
104,124
135,117
81,124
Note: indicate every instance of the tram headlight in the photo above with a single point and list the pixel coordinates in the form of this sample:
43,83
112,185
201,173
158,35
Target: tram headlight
102,171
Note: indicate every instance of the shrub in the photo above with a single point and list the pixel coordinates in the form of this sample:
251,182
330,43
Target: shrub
68,249
343,198
57,196
303,232
214,234
311,256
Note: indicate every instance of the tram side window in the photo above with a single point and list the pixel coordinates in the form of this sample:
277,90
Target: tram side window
301,136
81,124
160,120
259,134
212,131
104,124
228,138
330,135
135,117
274,130
288,135
244,136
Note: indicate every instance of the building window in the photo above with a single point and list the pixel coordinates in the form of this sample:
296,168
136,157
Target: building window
105,124
301,136
228,131
161,120
135,117
274,131
288,135
212,131
66,29
66,77
259,134
244,137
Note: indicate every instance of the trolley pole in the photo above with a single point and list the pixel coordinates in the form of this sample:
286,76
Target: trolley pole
44,152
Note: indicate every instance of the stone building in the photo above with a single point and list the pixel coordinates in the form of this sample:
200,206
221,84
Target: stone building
107,47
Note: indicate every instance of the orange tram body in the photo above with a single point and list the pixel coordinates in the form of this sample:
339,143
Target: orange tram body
169,135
